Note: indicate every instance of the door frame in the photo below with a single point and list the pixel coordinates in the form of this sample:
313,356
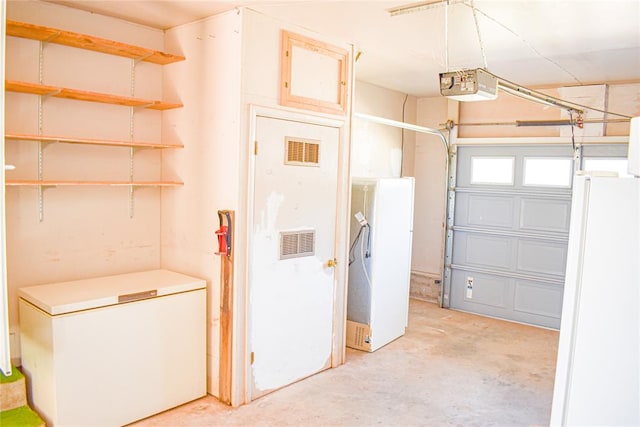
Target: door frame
338,349
5,357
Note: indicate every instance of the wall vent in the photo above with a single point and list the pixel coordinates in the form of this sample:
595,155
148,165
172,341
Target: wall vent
296,244
302,152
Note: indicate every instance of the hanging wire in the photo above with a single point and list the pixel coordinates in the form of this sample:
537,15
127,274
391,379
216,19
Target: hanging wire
475,19
526,42
573,137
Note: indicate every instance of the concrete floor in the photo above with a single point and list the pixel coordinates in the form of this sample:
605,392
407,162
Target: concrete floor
450,369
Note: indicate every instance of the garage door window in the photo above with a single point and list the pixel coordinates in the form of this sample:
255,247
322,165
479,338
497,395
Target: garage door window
547,172
492,170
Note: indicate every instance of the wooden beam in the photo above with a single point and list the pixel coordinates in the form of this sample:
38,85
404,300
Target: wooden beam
226,316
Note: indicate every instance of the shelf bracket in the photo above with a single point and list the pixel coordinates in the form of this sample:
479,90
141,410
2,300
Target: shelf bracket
132,189
143,106
50,94
41,190
132,112
50,38
137,148
45,144
132,192
139,59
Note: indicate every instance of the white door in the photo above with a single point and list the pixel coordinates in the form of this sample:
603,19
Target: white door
293,243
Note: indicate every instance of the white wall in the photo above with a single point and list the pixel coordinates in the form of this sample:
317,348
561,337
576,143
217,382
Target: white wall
208,84
86,232
377,150
233,62
430,165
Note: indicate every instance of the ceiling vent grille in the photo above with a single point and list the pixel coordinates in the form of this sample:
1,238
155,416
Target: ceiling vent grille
302,152
296,244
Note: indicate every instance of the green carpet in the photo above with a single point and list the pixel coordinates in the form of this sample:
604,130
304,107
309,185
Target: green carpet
15,376
20,417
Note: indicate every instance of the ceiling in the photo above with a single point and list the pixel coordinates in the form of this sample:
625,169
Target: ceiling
531,42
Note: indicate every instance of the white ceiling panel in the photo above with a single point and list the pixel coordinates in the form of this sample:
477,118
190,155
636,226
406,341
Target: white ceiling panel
531,42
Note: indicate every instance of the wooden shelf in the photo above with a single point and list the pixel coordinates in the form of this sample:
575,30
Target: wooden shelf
82,95
96,44
84,41
21,183
111,143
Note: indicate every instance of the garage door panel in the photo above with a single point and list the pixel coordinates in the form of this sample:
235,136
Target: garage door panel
538,298
511,239
547,258
545,215
490,211
483,250
520,300
484,289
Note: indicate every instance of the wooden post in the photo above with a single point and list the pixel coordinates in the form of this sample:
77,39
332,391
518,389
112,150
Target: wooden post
226,310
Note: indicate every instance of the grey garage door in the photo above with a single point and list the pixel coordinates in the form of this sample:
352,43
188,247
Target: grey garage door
609,158
510,232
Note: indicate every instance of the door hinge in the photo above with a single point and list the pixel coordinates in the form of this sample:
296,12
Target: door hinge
252,357
255,148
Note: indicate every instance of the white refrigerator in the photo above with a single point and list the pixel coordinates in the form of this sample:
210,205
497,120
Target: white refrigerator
379,261
598,367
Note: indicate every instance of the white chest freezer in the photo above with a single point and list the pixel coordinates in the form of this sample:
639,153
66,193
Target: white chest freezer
111,350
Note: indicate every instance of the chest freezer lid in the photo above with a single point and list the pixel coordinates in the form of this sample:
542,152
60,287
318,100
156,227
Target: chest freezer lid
68,297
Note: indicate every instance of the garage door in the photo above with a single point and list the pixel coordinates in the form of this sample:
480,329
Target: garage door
510,232
608,158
